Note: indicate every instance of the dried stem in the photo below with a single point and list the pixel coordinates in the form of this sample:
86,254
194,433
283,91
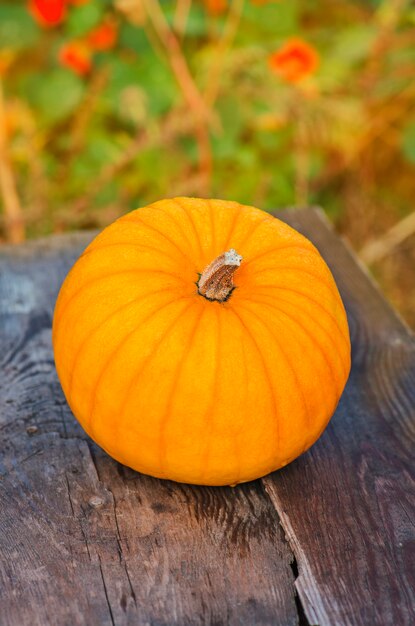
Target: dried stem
87,109
388,16
78,131
302,167
379,248
377,125
300,153
14,225
181,15
216,280
222,47
194,99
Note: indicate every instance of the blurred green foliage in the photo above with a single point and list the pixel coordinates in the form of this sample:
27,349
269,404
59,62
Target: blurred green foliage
185,102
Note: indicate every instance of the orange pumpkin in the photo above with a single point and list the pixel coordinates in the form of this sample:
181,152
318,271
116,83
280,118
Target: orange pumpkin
201,341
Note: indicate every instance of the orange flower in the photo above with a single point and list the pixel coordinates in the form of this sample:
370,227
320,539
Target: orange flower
104,37
216,7
76,56
47,12
295,60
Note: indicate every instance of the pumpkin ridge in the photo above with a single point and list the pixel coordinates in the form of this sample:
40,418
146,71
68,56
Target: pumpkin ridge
266,375
307,297
197,239
250,232
97,279
278,248
298,269
307,413
212,227
118,348
238,465
313,319
209,422
235,217
131,244
160,233
99,326
311,339
159,206
148,358
179,367
188,240
59,304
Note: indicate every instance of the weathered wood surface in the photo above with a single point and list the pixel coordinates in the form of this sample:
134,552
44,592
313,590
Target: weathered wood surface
85,541
348,505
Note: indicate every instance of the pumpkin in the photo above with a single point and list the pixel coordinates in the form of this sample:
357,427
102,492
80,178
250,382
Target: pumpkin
201,341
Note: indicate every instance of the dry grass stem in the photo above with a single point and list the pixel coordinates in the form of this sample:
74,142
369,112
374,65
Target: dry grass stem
386,244
14,224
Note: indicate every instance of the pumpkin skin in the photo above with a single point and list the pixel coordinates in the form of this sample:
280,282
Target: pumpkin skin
181,387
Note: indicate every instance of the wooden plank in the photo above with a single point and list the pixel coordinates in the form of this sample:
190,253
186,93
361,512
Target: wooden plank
49,573
348,505
85,541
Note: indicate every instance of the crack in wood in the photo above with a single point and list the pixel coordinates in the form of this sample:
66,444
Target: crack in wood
20,462
121,552
106,592
86,541
302,618
69,495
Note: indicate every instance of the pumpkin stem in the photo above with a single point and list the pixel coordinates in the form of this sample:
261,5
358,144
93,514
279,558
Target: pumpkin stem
216,280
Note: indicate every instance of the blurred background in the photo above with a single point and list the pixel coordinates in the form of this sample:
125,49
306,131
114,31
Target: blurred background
107,105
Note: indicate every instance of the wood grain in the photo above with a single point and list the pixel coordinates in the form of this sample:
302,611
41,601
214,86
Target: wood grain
85,541
348,505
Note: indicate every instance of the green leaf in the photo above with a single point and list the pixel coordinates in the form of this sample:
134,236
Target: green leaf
144,70
102,149
350,48
354,44
83,18
55,95
17,28
408,142
108,194
196,22
190,150
133,38
267,22
158,82
235,117
124,97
